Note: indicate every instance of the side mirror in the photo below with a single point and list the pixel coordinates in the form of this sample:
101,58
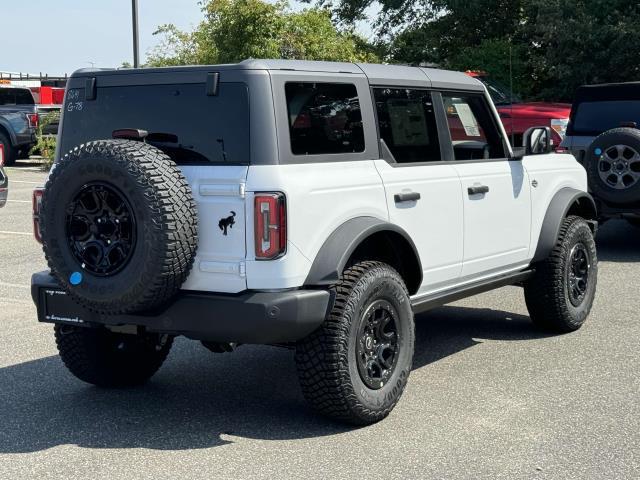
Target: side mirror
537,140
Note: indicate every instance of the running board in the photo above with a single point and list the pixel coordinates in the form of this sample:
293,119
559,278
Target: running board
429,302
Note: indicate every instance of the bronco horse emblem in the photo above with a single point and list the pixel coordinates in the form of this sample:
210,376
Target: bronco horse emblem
228,222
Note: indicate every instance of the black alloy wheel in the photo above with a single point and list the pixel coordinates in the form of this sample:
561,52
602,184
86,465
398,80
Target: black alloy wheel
101,229
377,346
578,273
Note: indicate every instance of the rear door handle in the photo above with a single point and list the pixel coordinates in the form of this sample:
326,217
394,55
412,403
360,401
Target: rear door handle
406,197
477,189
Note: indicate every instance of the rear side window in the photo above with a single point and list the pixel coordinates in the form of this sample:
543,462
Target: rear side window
407,124
15,96
181,119
597,117
324,118
474,132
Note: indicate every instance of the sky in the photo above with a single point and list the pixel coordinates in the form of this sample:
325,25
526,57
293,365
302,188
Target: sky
60,36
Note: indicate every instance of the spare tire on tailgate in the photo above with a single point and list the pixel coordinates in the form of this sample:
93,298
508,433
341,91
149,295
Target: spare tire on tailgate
613,166
119,226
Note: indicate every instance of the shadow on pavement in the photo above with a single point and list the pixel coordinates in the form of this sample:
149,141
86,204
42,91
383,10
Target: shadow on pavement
30,163
198,398
618,241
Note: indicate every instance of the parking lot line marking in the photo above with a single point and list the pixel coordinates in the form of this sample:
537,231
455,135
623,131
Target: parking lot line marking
19,201
15,233
25,181
15,285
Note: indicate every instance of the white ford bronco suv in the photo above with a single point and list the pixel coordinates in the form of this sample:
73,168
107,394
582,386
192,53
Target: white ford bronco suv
313,205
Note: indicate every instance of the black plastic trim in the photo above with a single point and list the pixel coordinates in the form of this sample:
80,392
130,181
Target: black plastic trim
429,302
337,249
248,317
213,80
90,88
557,211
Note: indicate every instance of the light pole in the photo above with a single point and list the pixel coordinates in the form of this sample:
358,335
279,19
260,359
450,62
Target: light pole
134,17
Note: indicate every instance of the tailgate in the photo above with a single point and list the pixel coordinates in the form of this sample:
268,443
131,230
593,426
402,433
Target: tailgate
219,192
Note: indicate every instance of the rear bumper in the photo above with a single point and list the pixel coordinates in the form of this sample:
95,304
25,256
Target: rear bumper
249,317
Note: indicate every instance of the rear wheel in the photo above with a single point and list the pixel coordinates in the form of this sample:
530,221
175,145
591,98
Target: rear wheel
9,151
560,294
107,359
355,366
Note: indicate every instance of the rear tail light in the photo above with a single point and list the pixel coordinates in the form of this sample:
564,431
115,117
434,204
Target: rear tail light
1,154
37,206
33,120
270,225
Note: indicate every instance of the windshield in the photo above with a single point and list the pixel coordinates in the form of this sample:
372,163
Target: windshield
593,118
500,94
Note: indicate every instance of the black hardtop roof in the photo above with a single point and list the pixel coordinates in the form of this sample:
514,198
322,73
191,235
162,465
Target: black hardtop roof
608,92
377,73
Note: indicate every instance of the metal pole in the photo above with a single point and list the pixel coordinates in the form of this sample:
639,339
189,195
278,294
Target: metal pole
134,8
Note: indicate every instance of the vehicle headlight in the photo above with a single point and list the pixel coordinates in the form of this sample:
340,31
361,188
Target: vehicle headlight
559,125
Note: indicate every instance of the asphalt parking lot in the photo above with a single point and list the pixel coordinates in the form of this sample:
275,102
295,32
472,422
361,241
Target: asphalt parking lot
489,396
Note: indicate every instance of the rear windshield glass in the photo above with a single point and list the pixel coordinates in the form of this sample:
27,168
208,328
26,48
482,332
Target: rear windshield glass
181,119
324,118
15,96
593,118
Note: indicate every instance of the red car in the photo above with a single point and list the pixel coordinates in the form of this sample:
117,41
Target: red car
517,116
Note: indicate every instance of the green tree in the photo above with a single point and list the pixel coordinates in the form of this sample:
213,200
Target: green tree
233,30
553,45
570,43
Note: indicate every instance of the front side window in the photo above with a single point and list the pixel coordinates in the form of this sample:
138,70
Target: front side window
324,118
407,124
474,133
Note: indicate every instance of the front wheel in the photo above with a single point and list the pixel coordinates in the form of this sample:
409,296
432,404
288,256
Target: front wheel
107,359
355,366
560,294
9,151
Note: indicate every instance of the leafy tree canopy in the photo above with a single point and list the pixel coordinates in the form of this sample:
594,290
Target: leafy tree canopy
554,45
233,30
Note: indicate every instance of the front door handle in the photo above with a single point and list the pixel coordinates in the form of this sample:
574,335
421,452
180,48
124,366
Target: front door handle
406,197
477,189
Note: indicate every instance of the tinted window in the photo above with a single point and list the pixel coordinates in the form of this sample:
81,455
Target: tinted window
407,124
324,118
597,117
473,130
15,96
181,119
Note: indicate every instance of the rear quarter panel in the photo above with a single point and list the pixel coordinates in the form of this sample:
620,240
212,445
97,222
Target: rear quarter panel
320,197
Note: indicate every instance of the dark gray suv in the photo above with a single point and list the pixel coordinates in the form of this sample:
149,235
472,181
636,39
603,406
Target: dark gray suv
18,121
604,135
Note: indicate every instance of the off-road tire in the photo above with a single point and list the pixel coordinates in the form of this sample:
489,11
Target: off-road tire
9,151
600,189
547,293
165,225
111,360
326,359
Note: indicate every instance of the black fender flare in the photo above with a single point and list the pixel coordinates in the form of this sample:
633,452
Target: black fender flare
560,206
343,241
6,126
